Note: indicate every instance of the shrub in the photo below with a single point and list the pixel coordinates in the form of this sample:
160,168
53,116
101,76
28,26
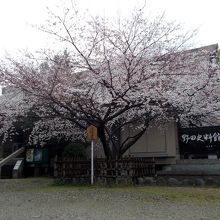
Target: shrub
75,150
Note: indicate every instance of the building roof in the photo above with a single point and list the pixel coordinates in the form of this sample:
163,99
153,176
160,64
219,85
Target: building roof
209,48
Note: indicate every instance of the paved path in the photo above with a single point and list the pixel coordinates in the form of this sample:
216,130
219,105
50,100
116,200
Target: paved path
19,202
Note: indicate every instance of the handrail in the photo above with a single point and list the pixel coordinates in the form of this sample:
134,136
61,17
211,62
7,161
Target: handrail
11,156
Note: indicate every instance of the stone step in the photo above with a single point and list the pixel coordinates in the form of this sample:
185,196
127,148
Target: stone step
198,161
7,169
189,173
193,167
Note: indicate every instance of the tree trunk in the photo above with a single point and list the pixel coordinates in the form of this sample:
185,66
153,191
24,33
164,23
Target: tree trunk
102,137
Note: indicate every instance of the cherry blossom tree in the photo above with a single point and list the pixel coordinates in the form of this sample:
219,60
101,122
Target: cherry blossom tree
114,75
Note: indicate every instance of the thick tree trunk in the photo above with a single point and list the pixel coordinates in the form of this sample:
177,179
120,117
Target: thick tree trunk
112,146
102,137
110,142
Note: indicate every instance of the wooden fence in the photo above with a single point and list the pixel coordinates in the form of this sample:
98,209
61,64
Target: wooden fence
69,168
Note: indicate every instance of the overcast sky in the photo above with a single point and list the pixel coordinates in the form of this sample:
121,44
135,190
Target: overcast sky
17,15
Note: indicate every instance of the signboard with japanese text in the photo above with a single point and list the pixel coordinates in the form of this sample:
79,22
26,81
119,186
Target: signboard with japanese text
29,155
91,132
36,155
199,142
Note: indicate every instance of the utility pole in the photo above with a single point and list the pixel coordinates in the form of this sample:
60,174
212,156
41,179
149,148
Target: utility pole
92,135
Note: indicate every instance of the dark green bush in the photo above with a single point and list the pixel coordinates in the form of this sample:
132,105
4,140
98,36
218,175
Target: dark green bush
75,150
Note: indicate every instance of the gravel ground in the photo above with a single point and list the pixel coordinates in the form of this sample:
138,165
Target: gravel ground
27,200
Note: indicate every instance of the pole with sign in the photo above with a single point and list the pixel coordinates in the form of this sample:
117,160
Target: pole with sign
92,135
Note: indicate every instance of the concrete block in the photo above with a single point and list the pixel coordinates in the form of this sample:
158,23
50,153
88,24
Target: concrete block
187,182
211,181
140,181
161,181
149,180
173,182
199,182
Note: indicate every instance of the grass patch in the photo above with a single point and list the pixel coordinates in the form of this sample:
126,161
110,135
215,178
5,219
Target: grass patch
99,184
183,193
204,194
172,193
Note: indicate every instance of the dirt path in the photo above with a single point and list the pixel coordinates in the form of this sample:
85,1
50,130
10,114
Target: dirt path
34,199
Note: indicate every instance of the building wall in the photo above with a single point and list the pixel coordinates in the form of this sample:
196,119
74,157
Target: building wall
158,143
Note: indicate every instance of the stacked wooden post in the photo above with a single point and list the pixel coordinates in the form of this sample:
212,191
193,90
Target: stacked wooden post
127,167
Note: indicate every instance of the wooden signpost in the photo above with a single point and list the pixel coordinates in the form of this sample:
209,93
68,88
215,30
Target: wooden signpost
92,135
